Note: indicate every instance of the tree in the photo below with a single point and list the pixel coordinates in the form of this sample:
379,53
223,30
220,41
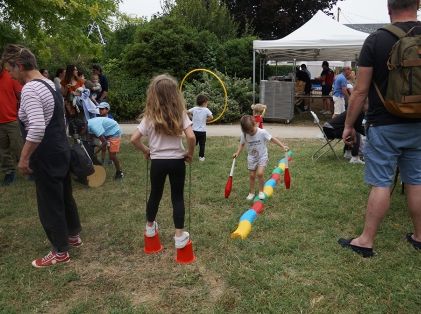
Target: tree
52,16
209,15
272,19
56,30
165,45
123,35
235,57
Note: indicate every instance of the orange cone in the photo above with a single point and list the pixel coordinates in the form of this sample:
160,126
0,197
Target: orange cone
185,255
152,244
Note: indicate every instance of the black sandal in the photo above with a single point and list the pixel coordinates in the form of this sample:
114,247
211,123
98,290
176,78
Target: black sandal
363,251
416,244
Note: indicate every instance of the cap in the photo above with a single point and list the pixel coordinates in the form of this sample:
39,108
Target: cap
103,105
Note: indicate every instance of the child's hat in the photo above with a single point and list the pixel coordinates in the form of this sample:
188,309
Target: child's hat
103,105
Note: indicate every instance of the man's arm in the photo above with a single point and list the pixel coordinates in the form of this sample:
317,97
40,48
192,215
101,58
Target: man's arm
356,102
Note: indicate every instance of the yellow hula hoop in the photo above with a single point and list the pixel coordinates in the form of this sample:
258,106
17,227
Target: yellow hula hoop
220,82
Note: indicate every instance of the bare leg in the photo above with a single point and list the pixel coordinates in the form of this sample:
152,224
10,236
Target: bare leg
377,207
413,194
252,178
260,172
113,157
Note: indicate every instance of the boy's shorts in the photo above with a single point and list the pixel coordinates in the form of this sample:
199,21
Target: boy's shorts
253,163
388,146
114,144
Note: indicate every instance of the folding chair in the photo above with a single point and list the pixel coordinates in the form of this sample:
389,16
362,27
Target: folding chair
325,147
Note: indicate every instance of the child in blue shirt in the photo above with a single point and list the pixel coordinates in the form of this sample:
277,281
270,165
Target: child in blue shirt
108,132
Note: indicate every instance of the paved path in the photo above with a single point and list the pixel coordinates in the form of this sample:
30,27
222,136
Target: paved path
277,130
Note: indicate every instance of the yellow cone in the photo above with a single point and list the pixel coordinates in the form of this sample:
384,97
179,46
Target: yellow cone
243,230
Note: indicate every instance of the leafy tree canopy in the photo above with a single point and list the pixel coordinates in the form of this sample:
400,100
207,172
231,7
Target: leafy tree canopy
165,45
209,15
272,19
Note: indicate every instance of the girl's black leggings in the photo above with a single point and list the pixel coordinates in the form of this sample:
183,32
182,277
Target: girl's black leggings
176,171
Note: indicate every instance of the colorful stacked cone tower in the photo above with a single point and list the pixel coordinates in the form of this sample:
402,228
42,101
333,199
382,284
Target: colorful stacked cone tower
247,219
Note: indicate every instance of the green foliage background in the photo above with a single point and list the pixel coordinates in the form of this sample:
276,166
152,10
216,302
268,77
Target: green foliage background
189,34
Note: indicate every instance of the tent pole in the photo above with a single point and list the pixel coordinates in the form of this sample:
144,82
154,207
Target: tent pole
263,68
254,76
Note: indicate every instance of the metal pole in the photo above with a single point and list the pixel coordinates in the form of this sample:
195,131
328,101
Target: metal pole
254,76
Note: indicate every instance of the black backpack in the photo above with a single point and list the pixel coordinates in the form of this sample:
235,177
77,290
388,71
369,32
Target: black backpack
81,164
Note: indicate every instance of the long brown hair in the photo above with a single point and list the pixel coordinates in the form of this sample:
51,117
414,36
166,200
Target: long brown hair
165,105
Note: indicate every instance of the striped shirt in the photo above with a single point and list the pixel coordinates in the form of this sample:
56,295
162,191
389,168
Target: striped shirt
36,109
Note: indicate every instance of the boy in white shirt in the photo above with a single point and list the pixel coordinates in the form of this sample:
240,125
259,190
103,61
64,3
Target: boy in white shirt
200,115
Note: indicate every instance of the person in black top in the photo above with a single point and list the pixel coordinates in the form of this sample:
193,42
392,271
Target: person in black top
326,80
103,81
335,127
391,141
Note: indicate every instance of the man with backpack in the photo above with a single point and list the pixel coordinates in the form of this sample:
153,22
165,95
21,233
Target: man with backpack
393,119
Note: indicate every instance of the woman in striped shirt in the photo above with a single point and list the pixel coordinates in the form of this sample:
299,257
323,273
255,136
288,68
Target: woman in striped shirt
45,154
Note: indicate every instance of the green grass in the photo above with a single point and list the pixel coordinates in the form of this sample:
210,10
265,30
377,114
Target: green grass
290,263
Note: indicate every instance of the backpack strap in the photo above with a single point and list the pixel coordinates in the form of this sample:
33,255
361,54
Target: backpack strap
395,30
379,93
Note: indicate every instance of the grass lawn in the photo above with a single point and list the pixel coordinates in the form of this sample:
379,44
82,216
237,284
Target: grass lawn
290,263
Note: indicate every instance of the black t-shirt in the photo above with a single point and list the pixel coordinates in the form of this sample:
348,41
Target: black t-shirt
338,123
375,53
104,84
303,76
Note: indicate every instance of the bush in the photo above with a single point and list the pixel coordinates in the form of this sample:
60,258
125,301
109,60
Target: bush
238,90
127,92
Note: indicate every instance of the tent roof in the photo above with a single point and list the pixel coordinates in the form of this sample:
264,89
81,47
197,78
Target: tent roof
321,38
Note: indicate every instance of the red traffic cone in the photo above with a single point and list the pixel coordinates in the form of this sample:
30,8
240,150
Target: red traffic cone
185,255
152,244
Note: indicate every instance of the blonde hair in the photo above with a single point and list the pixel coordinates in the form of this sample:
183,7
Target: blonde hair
165,105
18,54
258,109
247,124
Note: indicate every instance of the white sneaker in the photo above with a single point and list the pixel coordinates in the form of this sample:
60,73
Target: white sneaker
201,158
151,231
262,195
356,160
250,197
182,240
347,154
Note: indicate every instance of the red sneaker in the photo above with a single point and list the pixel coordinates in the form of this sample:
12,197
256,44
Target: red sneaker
75,241
51,259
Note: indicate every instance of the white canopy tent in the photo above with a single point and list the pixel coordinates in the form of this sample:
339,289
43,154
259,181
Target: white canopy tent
321,38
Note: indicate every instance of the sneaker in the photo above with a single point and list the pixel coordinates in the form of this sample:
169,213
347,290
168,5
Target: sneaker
347,154
9,178
75,241
250,197
356,160
262,195
201,158
51,259
182,240
119,175
151,231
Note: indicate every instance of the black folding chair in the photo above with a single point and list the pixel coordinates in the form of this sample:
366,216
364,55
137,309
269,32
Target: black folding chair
328,143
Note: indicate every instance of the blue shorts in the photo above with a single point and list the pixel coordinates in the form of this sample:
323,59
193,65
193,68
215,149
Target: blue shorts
389,146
